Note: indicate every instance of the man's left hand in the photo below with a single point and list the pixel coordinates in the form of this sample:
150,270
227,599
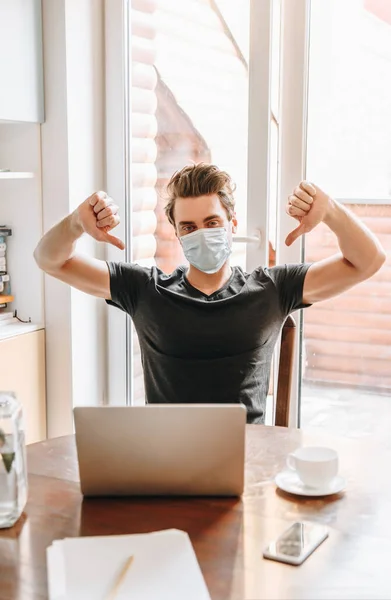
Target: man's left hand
309,205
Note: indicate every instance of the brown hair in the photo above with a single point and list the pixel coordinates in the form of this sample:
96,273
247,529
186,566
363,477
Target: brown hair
200,180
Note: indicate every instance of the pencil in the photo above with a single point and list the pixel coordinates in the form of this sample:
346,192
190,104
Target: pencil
114,591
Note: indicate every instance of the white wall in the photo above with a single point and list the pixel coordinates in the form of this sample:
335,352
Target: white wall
73,168
21,61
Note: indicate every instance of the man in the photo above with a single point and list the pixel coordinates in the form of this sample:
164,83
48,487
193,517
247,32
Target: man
207,332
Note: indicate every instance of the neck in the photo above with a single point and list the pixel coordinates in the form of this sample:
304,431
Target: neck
209,283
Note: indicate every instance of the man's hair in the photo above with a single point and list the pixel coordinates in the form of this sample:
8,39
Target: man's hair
200,180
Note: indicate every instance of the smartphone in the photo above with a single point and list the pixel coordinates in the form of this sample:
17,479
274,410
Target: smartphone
296,543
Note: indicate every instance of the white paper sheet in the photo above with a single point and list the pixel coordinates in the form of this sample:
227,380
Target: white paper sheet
164,567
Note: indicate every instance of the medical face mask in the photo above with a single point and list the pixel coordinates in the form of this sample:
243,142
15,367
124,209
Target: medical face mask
206,249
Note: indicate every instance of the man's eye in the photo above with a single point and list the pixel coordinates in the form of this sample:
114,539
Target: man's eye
187,229
213,224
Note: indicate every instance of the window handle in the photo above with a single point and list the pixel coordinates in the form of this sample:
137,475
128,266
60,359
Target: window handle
249,239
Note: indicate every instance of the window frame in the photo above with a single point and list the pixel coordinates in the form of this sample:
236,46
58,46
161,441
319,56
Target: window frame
292,146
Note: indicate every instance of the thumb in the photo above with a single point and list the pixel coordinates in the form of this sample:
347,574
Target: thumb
293,235
111,239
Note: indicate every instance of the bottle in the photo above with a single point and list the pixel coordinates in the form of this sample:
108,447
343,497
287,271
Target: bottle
13,473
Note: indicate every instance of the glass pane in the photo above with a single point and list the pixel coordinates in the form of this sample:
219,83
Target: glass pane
189,104
346,348
349,128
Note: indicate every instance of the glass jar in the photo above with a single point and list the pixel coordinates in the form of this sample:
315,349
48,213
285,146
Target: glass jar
13,473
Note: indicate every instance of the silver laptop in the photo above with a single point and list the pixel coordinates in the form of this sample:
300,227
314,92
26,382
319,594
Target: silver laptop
172,449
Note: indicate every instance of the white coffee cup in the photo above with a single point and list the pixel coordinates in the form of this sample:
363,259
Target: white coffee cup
316,466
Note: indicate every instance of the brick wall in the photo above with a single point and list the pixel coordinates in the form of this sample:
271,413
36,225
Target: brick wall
348,338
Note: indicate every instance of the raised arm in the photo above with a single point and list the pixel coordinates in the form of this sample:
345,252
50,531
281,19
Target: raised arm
56,252
361,253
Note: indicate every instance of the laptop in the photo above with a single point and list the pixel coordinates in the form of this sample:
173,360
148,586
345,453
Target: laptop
157,449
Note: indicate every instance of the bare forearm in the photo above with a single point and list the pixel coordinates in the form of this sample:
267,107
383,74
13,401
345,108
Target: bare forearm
58,244
357,243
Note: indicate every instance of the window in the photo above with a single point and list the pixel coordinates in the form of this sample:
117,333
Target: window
346,345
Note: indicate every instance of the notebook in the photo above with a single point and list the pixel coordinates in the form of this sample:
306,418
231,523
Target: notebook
163,566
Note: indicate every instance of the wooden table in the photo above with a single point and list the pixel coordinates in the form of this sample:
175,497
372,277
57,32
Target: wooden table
228,534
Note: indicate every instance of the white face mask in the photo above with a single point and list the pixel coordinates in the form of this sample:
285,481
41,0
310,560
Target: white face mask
206,249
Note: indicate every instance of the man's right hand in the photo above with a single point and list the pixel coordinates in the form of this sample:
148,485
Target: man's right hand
97,216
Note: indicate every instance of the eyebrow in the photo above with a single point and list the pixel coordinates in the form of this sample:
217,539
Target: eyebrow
204,221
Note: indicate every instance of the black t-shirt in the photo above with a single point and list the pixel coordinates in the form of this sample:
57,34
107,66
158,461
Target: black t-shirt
208,349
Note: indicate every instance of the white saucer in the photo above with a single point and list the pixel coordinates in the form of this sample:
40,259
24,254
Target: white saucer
290,482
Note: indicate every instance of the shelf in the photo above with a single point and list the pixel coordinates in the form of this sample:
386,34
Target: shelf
15,175
17,328
6,299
